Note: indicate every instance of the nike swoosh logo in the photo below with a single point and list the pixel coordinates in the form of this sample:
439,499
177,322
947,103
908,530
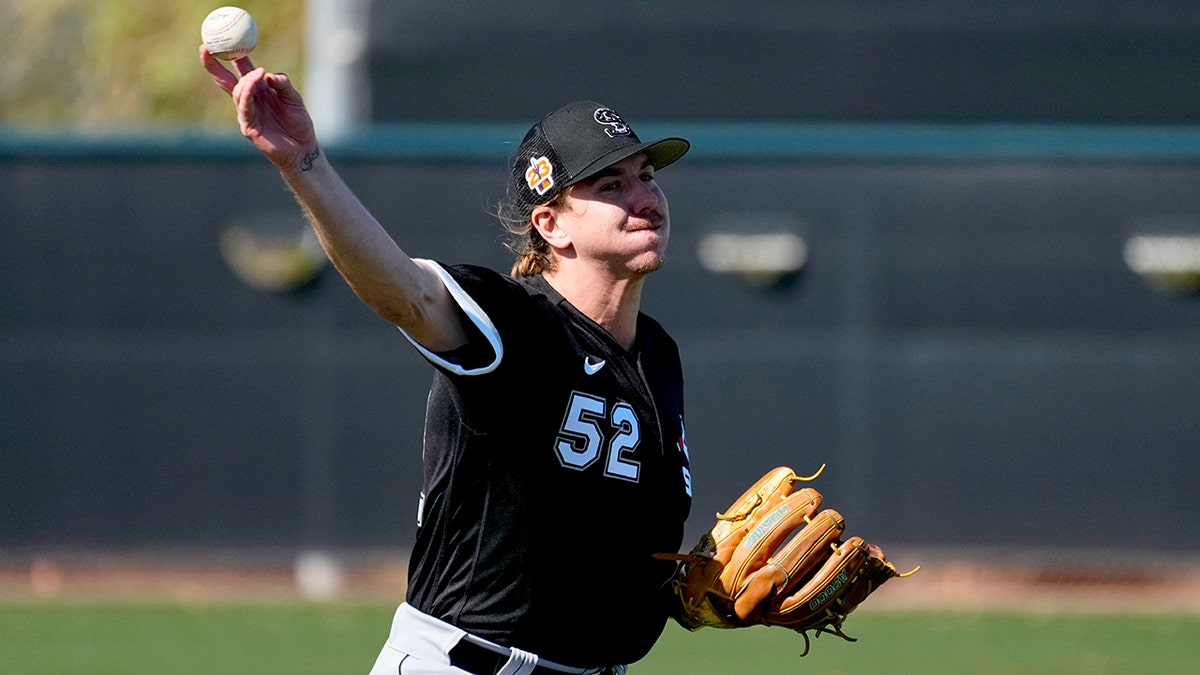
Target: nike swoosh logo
591,368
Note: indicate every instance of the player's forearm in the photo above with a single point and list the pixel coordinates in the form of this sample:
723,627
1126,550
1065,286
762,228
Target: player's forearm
375,267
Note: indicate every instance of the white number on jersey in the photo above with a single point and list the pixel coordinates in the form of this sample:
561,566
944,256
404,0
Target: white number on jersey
581,438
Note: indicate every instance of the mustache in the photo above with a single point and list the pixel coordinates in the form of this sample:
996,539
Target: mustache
654,219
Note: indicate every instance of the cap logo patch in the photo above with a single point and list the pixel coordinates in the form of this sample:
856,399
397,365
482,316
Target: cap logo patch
540,175
613,124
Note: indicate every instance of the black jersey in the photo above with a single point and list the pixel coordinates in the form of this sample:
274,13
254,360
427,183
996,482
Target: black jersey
555,467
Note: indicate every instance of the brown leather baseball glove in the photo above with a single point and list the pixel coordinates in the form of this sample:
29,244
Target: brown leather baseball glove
776,559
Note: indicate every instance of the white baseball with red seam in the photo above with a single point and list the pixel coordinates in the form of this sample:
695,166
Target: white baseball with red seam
229,33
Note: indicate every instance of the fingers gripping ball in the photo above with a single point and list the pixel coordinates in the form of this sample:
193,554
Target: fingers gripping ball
229,33
777,558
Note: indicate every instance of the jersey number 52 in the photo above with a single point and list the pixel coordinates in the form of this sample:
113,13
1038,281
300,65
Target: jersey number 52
581,439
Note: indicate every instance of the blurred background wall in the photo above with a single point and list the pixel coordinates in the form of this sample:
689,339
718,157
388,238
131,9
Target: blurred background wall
948,248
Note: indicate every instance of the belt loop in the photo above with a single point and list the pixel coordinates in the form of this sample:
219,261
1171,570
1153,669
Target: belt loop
520,662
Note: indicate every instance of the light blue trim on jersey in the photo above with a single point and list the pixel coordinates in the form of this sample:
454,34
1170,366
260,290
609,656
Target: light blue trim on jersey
477,316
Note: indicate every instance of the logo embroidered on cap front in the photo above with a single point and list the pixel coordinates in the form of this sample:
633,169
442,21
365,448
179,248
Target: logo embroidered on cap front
540,175
613,124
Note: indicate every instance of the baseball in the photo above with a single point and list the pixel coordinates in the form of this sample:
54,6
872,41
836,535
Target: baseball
229,33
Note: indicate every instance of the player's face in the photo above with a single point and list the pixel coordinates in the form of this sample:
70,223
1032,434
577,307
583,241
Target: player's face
619,217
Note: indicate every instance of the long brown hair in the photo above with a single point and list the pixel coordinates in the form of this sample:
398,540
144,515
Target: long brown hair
534,255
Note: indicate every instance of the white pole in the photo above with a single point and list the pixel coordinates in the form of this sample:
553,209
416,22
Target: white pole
337,91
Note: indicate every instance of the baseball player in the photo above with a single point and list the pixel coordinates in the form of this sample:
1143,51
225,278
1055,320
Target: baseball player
554,435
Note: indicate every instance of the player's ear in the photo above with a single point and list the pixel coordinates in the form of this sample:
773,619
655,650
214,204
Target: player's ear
545,221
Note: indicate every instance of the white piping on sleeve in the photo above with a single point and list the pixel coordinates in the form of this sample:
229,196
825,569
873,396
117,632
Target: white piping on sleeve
477,316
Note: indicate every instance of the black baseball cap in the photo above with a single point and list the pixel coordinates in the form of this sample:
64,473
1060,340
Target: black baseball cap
576,142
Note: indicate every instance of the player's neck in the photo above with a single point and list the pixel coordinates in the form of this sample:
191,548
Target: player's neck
613,304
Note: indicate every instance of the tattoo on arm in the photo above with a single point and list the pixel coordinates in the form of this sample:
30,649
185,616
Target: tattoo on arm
306,163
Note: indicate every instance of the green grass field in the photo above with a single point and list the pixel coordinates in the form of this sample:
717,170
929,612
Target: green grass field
164,639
